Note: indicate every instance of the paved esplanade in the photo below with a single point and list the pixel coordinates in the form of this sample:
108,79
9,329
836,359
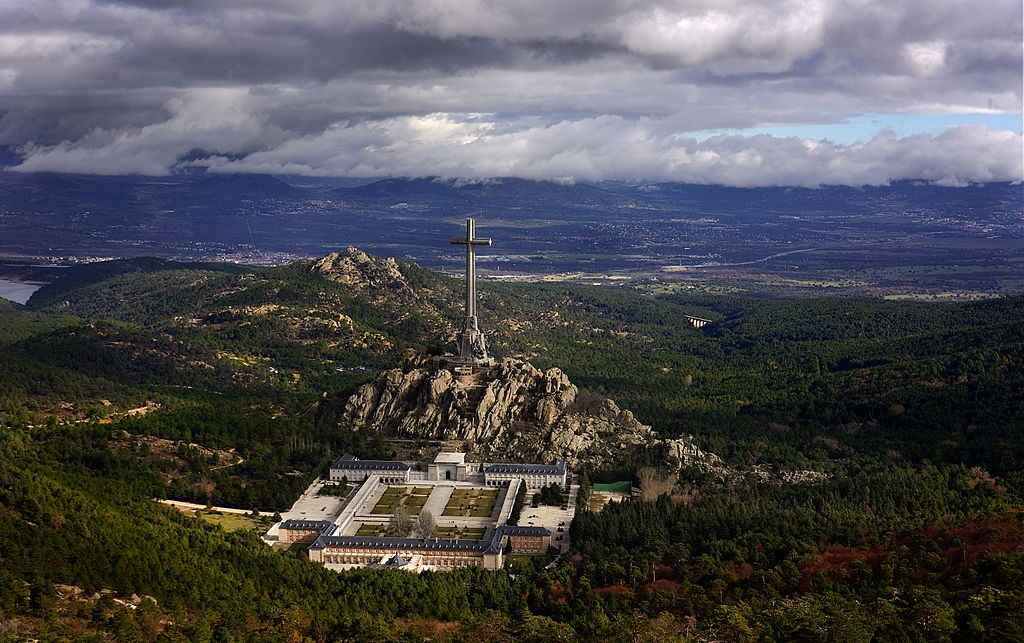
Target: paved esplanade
471,340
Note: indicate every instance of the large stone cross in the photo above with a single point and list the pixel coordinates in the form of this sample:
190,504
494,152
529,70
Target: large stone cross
471,340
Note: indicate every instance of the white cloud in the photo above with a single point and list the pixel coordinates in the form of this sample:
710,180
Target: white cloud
610,147
214,118
925,58
476,146
733,39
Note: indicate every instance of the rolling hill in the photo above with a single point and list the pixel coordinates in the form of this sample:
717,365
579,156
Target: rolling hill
910,412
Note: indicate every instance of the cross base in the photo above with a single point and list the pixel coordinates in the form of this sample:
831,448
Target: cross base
471,341
465,365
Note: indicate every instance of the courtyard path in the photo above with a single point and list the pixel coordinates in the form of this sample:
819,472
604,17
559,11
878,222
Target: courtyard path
223,510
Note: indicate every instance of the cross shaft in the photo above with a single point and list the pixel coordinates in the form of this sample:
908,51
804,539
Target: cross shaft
471,341
470,241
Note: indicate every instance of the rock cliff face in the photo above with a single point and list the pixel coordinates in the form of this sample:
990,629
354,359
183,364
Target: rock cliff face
512,411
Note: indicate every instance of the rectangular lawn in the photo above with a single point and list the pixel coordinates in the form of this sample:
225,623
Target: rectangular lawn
412,498
370,530
476,503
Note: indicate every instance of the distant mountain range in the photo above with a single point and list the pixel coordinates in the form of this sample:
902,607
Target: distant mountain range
485,189
544,226
197,189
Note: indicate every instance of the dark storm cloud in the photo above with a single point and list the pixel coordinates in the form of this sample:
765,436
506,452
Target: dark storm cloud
284,57
50,119
132,85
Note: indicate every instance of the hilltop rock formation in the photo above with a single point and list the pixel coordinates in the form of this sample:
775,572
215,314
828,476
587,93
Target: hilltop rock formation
355,268
384,282
511,411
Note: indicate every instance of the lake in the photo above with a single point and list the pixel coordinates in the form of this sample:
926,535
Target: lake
18,291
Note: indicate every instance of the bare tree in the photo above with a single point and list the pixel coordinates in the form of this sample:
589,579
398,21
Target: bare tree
401,523
654,483
425,524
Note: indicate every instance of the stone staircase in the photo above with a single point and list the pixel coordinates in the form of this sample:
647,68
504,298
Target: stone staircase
475,385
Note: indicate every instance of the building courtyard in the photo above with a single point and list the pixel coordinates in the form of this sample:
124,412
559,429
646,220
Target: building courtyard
447,514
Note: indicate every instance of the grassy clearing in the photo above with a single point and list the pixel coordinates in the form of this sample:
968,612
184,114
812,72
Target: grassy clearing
599,499
230,522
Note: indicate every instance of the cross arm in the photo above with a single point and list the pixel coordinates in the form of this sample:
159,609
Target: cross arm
462,241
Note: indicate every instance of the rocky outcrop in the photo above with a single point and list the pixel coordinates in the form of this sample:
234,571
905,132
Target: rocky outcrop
511,411
355,268
385,283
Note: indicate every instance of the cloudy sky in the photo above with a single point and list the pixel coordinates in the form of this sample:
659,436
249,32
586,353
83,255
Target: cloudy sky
778,92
